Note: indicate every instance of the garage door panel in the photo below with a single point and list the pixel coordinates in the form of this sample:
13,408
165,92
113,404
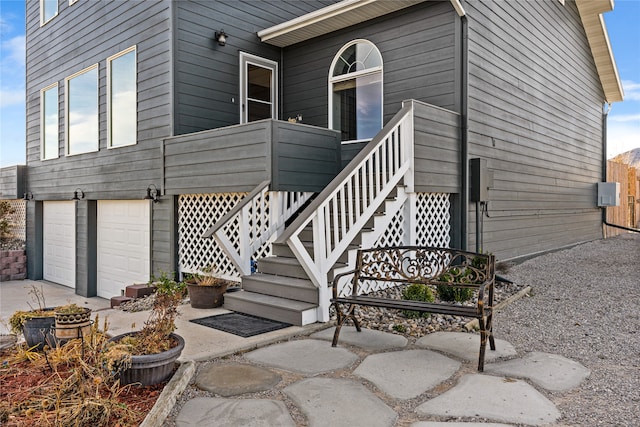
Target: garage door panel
123,245
59,242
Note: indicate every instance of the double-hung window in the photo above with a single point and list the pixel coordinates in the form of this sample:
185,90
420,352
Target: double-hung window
81,96
122,98
49,127
48,10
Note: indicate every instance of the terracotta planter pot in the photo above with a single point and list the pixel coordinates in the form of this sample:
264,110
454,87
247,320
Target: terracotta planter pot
149,369
206,296
73,325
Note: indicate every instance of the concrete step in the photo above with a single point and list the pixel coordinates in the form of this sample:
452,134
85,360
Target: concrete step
281,286
281,266
275,308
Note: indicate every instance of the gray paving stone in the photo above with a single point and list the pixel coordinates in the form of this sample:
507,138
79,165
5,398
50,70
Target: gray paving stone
368,339
232,380
465,345
439,424
336,402
208,411
307,357
494,398
407,374
550,371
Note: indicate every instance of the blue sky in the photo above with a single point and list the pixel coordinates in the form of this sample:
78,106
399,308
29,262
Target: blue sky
624,118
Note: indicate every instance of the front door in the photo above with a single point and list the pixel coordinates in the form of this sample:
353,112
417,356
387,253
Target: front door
258,94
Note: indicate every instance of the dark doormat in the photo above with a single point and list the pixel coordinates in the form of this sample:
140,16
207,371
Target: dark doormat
240,324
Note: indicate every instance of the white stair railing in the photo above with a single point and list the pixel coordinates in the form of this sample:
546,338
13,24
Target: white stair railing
256,220
340,211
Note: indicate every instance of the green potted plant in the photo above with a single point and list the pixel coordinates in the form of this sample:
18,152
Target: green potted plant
147,356
206,289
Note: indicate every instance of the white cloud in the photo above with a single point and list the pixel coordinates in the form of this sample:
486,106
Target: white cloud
625,118
11,97
631,90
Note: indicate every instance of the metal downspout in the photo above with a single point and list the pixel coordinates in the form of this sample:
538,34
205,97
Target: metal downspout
464,135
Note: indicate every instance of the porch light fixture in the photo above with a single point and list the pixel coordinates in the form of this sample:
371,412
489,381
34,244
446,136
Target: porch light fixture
221,38
78,194
28,196
152,194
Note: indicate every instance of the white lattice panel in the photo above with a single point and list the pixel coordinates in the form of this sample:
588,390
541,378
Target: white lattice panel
196,214
433,219
433,225
17,220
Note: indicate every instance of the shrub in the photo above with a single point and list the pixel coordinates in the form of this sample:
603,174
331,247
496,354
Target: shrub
5,223
454,293
417,292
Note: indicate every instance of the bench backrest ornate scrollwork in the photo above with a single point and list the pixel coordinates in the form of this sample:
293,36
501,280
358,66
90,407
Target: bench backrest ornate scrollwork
427,265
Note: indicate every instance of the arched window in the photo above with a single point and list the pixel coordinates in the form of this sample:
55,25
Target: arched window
355,91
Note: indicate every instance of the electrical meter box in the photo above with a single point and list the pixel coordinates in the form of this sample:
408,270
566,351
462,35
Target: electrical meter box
480,180
608,194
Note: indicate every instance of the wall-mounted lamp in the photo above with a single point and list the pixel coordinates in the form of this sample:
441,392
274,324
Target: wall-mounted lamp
221,38
152,194
78,194
28,196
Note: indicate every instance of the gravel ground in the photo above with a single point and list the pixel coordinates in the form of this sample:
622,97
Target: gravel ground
584,305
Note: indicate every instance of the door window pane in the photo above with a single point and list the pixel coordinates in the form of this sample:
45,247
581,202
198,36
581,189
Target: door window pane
258,86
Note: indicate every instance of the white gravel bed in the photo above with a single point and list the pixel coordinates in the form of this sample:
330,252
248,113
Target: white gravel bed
584,305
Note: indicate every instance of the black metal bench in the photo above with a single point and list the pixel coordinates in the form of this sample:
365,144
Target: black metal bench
425,265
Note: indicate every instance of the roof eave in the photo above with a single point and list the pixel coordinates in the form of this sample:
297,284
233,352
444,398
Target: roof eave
591,15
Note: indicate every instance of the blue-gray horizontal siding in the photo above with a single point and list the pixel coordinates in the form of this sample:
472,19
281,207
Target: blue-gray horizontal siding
304,158
207,93
418,49
535,104
436,149
231,159
12,182
238,158
84,34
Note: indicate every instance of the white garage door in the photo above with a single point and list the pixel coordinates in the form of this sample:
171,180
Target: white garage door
59,242
123,245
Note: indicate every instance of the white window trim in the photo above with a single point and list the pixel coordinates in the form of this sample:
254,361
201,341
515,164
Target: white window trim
72,2
42,21
135,63
245,59
66,109
42,122
331,80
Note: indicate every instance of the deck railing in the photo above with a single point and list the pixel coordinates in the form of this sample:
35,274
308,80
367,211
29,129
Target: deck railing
257,219
340,211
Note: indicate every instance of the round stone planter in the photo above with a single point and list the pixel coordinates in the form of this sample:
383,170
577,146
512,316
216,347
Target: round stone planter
38,331
149,369
73,325
203,296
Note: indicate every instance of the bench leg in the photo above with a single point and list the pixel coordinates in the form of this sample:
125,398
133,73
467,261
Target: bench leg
483,344
342,317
